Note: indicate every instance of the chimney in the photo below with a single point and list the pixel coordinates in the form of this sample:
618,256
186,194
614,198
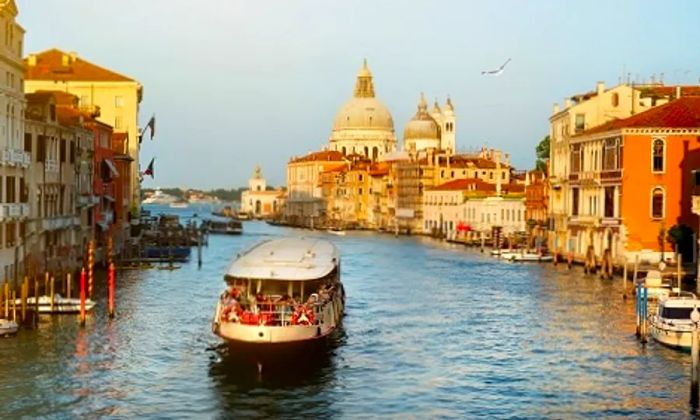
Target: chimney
678,91
567,103
73,56
600,88
31,60
507,159
555,109
65,60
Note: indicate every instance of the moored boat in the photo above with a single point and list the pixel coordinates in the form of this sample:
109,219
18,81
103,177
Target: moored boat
281,292
656,287
671,325
61,305
528,257
226,226
8,327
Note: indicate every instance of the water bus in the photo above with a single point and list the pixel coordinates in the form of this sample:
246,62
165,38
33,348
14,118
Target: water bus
281,292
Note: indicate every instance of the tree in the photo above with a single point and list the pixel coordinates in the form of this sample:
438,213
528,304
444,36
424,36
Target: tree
681,236
542,153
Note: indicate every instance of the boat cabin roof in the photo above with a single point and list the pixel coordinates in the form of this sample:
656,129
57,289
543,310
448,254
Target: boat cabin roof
295,259
684,300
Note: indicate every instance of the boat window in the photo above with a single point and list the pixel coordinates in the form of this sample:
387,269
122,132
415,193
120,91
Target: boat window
676,313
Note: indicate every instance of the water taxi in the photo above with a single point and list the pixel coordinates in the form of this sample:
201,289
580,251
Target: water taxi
671,324
281,292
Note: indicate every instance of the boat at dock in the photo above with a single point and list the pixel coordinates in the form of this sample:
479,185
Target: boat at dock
657,287
281,292
225,226
530,257
8,328
671,324
61,305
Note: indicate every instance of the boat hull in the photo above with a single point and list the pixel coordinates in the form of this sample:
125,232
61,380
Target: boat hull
8,328
60,306
672,338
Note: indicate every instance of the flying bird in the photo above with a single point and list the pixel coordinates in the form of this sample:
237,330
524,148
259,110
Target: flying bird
496,72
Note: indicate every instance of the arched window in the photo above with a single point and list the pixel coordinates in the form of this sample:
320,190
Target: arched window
344,151
615,99
657,203
658,149
366,151
375,153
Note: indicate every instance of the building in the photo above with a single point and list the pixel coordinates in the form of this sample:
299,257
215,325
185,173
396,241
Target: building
473,205
117,96
14,160
430,131
363,125
62,152
304,194
257,200
536,198
632,179
586,111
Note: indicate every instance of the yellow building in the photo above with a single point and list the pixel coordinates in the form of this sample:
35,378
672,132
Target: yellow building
305,198
117,96
14,160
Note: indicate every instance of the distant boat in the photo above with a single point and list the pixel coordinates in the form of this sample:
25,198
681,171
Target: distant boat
336,231
8,328
180,204
159,197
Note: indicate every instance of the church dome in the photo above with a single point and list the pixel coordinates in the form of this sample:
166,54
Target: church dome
422,126
363,110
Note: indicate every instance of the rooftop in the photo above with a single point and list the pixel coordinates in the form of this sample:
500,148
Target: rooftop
322,156
58,65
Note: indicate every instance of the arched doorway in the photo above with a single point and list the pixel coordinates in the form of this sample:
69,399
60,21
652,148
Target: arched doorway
258,206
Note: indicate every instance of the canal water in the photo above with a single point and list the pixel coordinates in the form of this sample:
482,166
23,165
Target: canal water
431,330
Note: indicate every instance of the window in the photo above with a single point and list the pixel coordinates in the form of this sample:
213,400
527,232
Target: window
10,189
63,150
657,203
576,158
118,101
657,153
580,122
615,100
611,154
609,202
118,123
574,201
28,142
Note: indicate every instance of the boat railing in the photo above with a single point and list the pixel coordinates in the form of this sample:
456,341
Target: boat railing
272,313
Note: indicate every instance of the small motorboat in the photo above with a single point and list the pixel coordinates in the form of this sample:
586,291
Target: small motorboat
672,325
8,328
180,204
61,305
656,286
224,226
528,257
336,231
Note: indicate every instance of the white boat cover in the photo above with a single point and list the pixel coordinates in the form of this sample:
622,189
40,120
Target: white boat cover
286,259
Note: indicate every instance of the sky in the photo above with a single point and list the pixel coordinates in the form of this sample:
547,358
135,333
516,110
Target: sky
238,83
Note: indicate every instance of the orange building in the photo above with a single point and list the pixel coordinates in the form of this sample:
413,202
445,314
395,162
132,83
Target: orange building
632,179
536,197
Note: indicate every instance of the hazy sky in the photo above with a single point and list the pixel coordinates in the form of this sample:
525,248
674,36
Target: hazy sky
235,83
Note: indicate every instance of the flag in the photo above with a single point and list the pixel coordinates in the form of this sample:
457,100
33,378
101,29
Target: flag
149,169
152,125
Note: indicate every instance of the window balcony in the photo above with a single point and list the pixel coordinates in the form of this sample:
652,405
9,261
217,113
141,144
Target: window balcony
15,158
51,165
59,222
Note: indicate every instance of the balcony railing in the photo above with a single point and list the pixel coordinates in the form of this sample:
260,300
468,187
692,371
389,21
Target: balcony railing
15,157
51,165
59,222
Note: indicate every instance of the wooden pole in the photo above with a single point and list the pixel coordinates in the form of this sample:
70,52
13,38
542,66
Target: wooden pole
199,250
645,314
24,292
7,299
68,285
82,296
679,263
14,306
624,278
36,301
111,286
636,267
695,356
91,262
52,292
46,282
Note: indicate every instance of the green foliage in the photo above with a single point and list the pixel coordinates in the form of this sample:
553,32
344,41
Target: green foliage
682,236
542,153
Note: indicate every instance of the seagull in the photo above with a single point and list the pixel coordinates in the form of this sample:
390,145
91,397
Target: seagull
496,72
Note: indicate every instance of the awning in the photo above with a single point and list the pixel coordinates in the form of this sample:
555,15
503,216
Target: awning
112,168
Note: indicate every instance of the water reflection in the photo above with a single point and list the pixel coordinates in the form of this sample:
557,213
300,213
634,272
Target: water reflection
431,330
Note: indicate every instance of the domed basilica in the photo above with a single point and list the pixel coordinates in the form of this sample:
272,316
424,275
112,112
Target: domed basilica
364,125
